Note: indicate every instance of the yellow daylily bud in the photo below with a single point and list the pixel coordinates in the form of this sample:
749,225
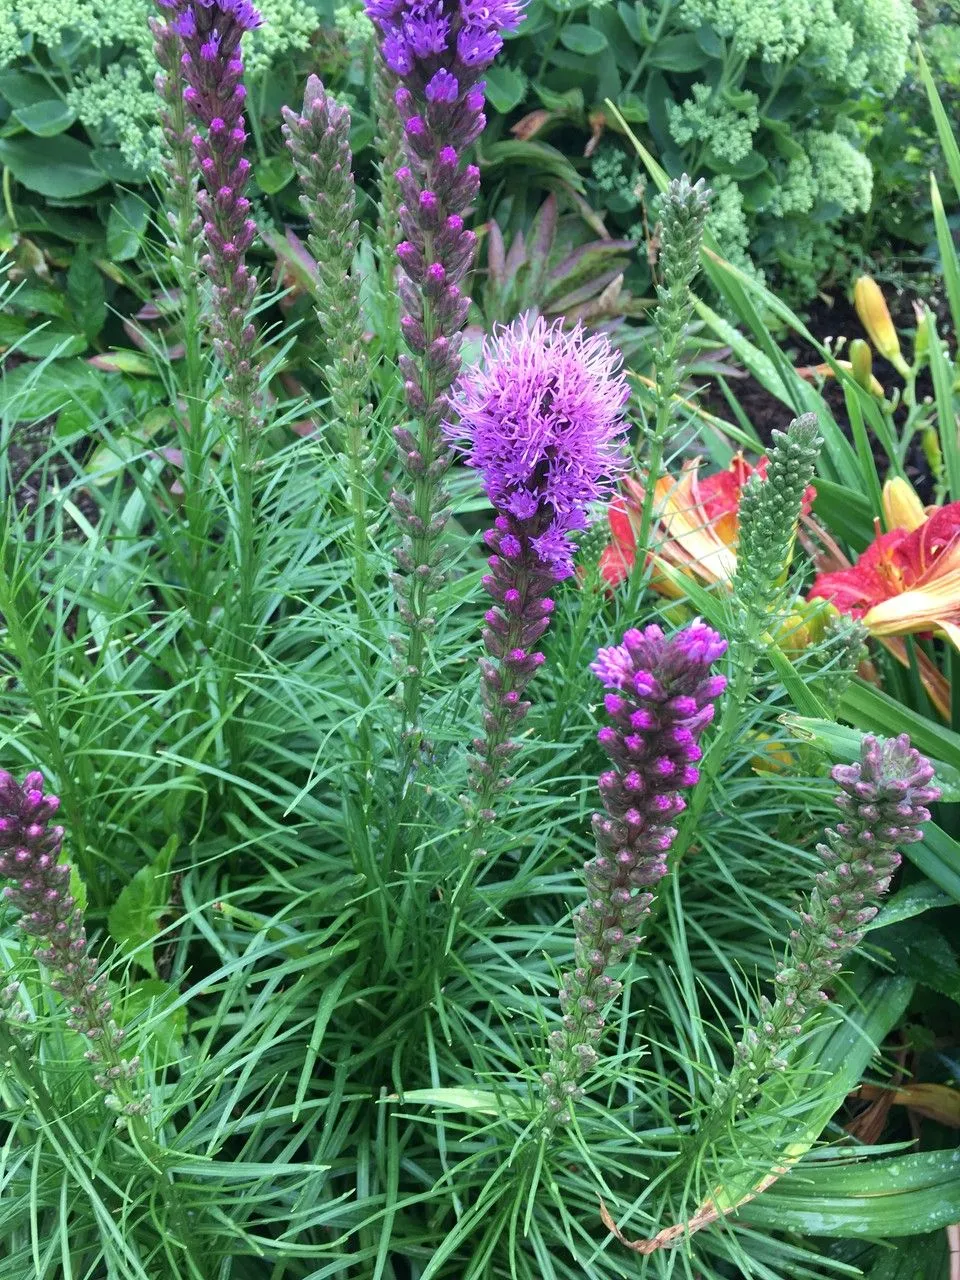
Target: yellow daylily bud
861,363
875,317
902,509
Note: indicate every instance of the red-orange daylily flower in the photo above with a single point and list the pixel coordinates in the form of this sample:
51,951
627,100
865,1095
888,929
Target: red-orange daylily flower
906,582
695,525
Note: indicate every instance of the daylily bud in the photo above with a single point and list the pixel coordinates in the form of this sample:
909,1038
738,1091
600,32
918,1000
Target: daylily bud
875,317
861,363
902,509
921,339
930,444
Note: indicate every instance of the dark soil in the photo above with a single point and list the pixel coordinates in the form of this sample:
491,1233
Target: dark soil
828,319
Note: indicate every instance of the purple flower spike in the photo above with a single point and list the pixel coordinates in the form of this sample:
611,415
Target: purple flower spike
210,32
541,418
662,698
542,414
39,888
883,799
437,52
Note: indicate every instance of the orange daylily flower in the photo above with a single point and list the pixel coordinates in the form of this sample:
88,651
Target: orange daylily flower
907,582
695,525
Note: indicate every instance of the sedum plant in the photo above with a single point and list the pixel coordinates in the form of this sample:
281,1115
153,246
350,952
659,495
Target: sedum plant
757,99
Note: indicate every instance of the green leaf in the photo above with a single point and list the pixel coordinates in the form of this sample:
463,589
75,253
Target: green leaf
938,857
579,38
901,1195
111,162
88,299
147,998
842,743
23,89
133,919
480,1100
913,901
871,709
920,950
126,226
505,87
46,119
274,173
30,392
677,53
60,168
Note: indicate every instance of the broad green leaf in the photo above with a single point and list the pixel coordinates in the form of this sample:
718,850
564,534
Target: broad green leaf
938,857
133,920
60,168
126,226
505,87
913,901
23,88
876,712
273,173
148,997
579,38
88,299
46,119
900,1195
920,951
677,53
31,392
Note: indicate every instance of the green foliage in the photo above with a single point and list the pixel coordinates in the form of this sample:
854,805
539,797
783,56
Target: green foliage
340,1049
760,99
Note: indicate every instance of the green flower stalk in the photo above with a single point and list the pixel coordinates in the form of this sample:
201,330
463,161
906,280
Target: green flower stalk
319,143
769,515
389,144
683,211
882,799
769,511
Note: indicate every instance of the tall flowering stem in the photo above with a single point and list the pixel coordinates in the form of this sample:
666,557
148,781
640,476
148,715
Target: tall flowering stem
882,799
683,212
661,696
438,54
319,142
541,417
39,888
210,32
181,166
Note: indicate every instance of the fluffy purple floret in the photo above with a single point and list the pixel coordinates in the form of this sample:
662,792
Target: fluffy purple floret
541,416
426,37
191,13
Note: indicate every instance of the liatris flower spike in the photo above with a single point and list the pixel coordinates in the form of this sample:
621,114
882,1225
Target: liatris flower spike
542,419
438,52
661,697
883,800
40,889
210,31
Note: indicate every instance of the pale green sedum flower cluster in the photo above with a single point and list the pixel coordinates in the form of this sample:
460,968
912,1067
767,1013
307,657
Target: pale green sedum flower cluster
856,42
705,116
116,99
